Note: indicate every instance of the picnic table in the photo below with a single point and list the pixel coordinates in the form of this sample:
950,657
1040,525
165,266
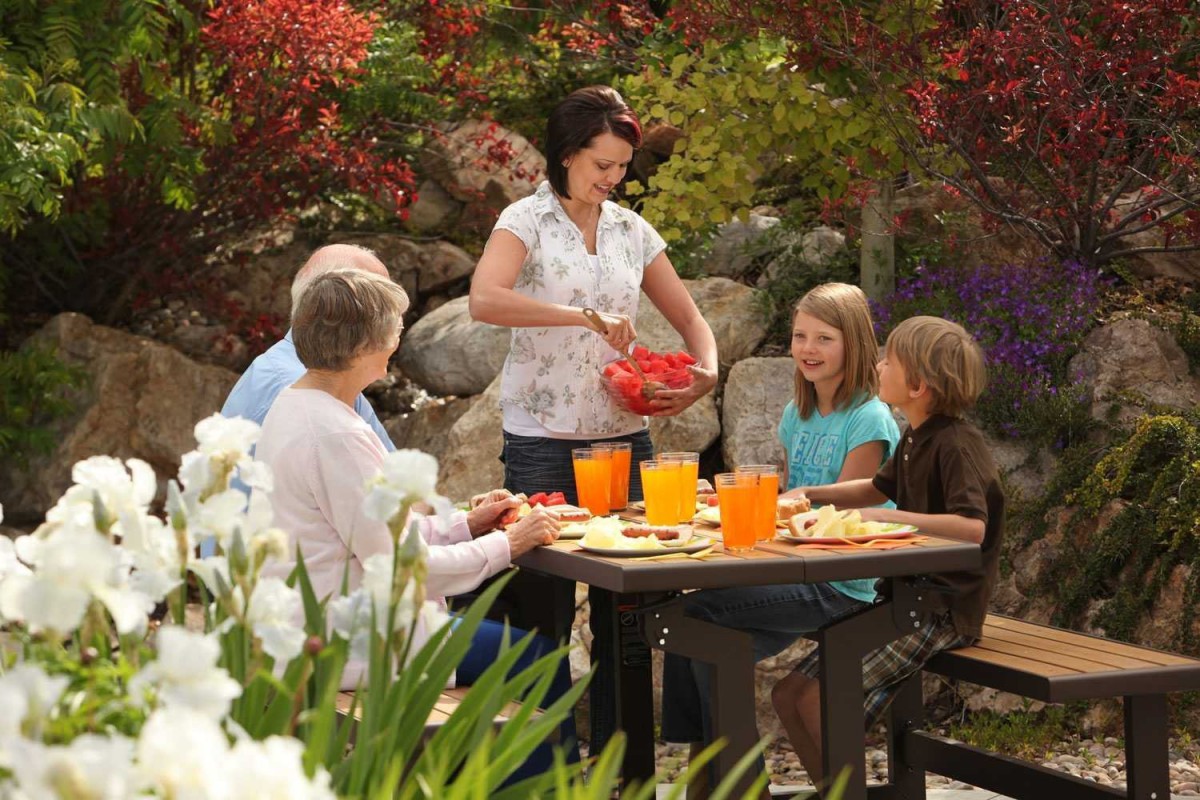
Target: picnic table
646,596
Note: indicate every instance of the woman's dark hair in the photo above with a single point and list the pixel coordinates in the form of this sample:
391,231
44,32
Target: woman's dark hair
582,116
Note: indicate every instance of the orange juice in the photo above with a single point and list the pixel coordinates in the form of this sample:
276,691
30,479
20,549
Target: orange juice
660,487
768,496
689,471
593,478
738,494
619,488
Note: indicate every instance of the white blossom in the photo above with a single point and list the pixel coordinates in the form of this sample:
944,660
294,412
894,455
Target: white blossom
27,695
185,673
89,767
71,566
114,492
272,613
181,754
273,769
406,476
209,569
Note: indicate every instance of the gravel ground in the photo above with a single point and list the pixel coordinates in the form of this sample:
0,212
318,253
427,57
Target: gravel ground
1101,761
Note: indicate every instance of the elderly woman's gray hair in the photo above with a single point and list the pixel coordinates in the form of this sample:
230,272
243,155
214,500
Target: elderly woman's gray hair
343,314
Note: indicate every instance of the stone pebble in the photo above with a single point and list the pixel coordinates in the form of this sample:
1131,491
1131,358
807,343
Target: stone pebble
1101,762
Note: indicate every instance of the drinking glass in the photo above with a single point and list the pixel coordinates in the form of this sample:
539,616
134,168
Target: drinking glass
768,497
660,489
622,453
738,496
593,478
689,471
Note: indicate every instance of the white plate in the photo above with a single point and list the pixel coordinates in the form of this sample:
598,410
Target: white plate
572,530
624,552
894,531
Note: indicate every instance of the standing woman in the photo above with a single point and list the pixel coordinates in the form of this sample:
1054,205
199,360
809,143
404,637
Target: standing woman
565,248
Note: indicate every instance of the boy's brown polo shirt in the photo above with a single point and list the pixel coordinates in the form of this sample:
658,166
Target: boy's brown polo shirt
944,467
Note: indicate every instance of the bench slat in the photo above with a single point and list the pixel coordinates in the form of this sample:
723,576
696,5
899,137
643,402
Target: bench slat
1047,649
1083,639
1086,663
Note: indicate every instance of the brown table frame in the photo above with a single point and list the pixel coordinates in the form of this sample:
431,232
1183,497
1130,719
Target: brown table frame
648,605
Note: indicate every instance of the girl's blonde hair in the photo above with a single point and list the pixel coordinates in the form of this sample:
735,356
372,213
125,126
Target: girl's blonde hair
844,307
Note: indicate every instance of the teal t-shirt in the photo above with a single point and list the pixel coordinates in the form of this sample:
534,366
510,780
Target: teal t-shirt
817,448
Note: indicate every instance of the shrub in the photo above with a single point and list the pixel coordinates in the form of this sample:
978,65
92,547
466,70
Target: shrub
32,398
1029,320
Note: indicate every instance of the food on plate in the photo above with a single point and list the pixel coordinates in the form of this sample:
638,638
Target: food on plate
829,523
568,513
547,499
788,507
664,533
712,500
704,488
711,515
625,385
610,533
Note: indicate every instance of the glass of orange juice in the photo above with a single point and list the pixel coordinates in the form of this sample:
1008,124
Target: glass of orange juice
660,488
689,471
593,478
737,493
768,496
622,452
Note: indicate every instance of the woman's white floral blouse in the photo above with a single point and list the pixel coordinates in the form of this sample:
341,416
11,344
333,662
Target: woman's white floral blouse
554,373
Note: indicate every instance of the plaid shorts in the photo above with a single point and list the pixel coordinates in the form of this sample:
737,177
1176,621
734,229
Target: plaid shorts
885,668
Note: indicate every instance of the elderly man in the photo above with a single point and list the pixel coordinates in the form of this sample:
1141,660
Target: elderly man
278,367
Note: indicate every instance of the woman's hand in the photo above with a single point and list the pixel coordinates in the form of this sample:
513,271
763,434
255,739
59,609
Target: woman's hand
669,402
488,514
537,529
618,332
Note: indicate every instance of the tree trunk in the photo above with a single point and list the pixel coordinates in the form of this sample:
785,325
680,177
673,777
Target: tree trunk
877,258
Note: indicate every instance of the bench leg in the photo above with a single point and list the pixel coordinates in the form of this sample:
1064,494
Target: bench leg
1146,768
906,714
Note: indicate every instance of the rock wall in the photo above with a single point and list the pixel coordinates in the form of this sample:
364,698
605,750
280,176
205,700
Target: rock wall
142,399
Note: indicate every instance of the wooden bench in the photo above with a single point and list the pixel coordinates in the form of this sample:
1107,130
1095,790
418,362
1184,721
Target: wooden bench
446,704
1054,666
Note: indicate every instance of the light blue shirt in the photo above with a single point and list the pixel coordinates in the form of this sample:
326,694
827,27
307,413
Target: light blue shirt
817,448
267,376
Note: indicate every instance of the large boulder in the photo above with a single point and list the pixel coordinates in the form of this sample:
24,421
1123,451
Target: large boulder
1133,356
420,268
693,431
448,353
755,393
142,400
484,165
435,208
261,282
816,248
731,312
472,456
733,249
428,427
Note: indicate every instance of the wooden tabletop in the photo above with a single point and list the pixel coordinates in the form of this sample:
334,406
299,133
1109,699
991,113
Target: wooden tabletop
768,562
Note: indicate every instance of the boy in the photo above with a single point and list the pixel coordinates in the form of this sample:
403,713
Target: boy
943,480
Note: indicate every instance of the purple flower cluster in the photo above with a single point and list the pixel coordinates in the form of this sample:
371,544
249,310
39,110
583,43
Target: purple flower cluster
1029,320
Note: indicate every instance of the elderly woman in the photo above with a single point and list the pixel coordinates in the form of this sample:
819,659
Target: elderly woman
345,327
565,248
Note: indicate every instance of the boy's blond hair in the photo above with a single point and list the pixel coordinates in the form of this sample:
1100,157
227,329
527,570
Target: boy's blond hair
844,307
943,355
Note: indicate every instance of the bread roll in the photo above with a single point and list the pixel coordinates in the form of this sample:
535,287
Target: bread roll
569,513
798,524
788,507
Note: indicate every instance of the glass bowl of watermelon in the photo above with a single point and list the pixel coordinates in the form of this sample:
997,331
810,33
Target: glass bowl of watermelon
624,385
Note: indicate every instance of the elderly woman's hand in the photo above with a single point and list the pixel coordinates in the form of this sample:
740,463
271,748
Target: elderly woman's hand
669,402
489,512
537,529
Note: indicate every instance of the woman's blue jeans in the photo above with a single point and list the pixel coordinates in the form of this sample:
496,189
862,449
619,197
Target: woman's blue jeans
534,464
485,647
775,616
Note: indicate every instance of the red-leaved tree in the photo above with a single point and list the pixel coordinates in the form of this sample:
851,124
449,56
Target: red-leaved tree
1074,119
